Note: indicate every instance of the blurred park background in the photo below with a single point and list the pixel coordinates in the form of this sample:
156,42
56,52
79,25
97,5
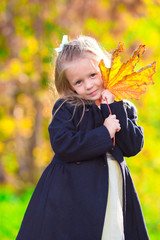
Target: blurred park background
29,32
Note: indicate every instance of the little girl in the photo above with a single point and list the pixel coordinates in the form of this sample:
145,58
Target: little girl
86,192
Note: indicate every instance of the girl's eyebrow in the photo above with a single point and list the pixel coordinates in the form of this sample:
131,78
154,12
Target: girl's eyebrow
93,71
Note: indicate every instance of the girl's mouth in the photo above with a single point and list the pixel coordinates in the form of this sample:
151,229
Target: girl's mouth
93,93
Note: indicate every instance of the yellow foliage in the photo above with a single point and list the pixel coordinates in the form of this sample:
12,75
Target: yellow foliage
9,162
32,46
15,67
121,79
3,6
35,76
42,154
25,127
29,67
24,100
4,76
7,126
1,147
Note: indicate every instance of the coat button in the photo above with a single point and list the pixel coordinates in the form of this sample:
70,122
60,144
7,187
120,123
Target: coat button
78,163
104,165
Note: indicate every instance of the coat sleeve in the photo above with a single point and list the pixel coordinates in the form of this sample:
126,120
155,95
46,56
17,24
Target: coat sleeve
73,145
130,138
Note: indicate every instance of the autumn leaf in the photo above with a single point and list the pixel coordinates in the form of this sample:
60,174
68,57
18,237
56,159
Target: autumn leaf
121,79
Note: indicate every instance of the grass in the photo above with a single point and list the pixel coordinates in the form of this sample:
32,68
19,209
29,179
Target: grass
12,208
13,205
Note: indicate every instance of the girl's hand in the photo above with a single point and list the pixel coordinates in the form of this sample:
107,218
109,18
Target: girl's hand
107,94
112,124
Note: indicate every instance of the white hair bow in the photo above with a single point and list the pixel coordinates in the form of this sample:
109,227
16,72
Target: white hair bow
64,42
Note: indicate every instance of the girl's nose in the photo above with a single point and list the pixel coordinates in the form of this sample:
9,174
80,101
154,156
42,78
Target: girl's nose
88,84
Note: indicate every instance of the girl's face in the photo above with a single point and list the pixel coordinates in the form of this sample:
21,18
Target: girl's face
85,78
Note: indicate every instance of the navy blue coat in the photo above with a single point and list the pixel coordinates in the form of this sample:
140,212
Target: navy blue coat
70,199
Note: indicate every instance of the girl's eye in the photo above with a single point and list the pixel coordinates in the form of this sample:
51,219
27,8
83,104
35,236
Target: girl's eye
93,75
78,82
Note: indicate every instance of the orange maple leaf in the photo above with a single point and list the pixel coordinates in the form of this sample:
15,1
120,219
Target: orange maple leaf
121,80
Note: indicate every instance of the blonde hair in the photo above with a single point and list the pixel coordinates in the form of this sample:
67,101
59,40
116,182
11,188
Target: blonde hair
80,48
